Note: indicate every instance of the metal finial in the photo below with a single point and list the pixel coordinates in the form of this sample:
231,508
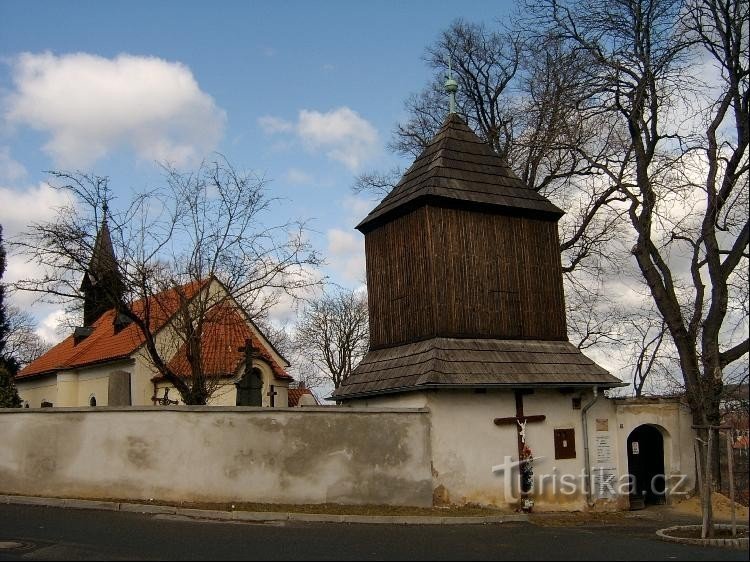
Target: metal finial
451,87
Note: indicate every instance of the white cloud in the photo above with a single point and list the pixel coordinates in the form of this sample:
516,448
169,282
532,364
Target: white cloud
53,326
341,133
23,206
10,169
346,252
286,308
272,125
347,137
91,105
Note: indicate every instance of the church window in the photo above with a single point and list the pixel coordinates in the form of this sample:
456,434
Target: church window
92,401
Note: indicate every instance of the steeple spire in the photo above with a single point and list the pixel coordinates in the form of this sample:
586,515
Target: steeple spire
102,283
451,87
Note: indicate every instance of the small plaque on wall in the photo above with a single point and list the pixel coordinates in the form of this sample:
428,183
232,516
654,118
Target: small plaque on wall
602,424
565,444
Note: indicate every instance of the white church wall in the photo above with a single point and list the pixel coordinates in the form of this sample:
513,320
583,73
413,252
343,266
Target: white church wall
71,389
94,381
33,392
67,389
208,454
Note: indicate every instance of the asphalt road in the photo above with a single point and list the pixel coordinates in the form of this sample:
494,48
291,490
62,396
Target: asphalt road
65,534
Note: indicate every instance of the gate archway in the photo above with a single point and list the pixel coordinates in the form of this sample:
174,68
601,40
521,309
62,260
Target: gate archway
646,466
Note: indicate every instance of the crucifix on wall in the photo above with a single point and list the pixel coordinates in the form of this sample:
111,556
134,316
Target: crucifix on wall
519,421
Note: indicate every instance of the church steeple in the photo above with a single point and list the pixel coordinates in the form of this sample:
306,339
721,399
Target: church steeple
102,283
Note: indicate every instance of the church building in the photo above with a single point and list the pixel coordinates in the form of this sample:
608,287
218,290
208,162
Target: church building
467,320
104,363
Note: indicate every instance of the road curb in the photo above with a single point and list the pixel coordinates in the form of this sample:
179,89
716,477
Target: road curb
148,508
91,504
261,516
738,543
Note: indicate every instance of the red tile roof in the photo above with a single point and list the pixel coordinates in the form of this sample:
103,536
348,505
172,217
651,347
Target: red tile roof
224,331
296,393
105,345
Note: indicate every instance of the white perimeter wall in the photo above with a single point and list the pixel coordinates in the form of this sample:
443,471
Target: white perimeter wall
210,454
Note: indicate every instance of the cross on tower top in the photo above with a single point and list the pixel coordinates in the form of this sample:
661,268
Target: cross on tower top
451,87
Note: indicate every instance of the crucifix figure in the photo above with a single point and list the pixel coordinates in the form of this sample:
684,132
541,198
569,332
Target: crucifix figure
522,430
520,421
250,386
272,393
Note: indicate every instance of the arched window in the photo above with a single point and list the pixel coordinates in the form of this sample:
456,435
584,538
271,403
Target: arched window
92,401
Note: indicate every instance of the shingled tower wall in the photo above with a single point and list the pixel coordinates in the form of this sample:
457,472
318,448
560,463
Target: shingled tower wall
462,248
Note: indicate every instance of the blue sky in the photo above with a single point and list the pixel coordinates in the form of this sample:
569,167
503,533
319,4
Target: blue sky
304,93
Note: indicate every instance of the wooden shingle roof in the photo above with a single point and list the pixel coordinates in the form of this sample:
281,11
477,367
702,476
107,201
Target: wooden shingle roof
472,363
457,167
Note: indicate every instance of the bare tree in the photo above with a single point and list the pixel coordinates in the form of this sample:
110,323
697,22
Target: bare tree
23,343
647,360
522,97
683,167
638,55
187,253
334,333
8,363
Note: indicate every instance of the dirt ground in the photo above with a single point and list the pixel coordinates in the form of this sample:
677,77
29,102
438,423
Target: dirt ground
722,508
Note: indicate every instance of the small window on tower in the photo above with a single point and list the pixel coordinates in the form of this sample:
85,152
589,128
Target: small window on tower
92,401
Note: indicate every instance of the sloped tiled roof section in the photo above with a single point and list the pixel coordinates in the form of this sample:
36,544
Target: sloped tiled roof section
473,363
105,344
295,394
224,332
459,167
